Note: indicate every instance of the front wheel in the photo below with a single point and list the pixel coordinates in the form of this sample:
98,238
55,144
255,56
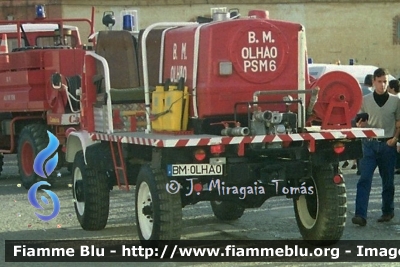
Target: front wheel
91,195
158,213
321,216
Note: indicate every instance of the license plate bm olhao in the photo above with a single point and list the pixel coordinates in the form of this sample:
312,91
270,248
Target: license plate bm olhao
194,169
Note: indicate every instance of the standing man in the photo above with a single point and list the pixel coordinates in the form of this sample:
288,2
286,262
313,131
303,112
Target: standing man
384,112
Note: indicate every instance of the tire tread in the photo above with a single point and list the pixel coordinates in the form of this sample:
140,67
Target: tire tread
97,196
331,220
167,224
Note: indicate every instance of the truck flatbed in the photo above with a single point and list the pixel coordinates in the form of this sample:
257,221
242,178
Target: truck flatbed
165,140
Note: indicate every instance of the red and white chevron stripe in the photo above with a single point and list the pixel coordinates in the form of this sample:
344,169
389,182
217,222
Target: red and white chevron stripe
164,140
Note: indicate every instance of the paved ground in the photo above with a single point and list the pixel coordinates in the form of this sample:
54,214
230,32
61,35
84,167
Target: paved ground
273,221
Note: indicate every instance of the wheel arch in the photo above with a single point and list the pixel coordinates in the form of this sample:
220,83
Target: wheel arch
76,141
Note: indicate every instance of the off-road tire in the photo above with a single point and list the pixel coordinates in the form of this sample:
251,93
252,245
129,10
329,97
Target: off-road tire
32,139
227,210
91,195
158,213
321,216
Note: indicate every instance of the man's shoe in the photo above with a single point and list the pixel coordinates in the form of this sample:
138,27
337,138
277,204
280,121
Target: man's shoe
354,167
386,218
359,220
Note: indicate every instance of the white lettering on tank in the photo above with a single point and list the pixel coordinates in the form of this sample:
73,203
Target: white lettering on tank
259,58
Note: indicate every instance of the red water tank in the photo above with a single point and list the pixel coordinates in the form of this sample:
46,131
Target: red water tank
227,61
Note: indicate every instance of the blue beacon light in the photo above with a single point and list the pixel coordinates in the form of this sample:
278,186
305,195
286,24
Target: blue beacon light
128,22
40,12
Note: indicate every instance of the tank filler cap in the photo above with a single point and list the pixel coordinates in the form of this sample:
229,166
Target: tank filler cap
259,14
221,16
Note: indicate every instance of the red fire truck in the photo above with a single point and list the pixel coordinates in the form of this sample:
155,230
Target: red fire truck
32,51
223,111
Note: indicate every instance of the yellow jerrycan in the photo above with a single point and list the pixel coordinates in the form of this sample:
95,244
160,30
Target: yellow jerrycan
177,105
158,105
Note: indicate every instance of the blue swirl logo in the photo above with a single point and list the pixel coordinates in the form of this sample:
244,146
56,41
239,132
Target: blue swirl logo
32,199
44,164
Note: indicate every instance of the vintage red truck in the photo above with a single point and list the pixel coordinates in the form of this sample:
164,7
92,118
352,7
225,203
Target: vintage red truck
223,111
33,50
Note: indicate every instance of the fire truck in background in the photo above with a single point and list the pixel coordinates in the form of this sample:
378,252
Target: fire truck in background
29,106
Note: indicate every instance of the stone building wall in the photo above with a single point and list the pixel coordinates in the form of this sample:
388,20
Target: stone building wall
367,31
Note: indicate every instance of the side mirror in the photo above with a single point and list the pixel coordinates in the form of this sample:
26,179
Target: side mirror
56,80
108,19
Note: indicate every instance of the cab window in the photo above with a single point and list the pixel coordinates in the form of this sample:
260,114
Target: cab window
13,43
69,40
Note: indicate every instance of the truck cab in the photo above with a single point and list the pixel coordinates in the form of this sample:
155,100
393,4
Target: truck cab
33,104
39,35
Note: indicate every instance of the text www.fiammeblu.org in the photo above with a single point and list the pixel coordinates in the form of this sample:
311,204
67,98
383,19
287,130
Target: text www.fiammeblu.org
233,251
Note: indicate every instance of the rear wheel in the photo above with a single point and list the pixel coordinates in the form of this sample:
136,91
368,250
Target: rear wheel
91,195
227,210
158,213
32,139
321,216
